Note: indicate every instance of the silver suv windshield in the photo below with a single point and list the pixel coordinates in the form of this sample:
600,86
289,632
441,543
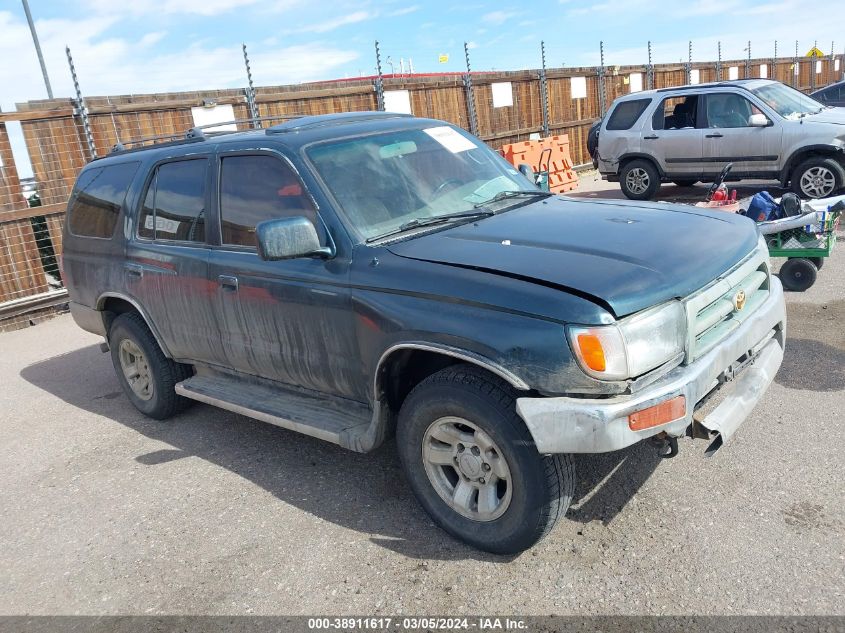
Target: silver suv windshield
386,182
786,101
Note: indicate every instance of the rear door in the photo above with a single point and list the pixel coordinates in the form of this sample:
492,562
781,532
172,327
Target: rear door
675,139
754,151
166,266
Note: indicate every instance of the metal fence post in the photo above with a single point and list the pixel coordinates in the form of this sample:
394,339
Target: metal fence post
813,63
649,71
250,92
689,64
80,109
544,89
602,91
470,94
719,64
774,74
748,62
379,82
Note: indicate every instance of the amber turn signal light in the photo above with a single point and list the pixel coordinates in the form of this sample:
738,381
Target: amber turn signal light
592,352
667,411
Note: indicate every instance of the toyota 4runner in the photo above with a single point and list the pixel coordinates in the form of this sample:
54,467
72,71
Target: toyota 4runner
359,276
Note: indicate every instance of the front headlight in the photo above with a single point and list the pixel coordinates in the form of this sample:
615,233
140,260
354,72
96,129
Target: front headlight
633,346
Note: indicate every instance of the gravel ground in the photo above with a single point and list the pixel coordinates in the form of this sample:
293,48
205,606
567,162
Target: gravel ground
107,512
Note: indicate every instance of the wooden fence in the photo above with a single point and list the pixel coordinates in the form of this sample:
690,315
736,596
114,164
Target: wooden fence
30,237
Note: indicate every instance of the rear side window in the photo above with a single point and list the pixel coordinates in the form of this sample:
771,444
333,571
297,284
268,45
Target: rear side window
174,203
256,188
97,199
625,114
676,113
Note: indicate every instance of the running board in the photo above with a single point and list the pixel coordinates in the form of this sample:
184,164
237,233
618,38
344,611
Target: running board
337,420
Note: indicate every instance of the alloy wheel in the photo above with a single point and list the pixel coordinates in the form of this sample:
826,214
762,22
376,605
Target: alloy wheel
817,182
136,369
637,180
467,469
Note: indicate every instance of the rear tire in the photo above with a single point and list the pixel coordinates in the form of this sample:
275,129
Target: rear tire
798,274
147,376
472,463
639,180
685,183
817,177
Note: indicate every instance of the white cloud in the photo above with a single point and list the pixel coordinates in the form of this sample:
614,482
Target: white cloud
471,45
497,17
108,65
152,38
331,25
405,10
167,7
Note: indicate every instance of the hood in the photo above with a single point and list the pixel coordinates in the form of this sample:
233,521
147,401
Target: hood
828,115
625,256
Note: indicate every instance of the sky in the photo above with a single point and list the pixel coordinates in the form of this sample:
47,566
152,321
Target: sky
141,46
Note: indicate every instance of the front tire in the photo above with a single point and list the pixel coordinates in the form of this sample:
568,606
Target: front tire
639,180
817,177
472,463
798,274
147,376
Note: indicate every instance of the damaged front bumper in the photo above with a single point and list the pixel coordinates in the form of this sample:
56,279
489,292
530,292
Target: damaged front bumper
738,371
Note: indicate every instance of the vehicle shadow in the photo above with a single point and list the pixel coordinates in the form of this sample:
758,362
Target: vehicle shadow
366,493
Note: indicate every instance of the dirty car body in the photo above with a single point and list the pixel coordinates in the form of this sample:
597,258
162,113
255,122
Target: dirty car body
374,295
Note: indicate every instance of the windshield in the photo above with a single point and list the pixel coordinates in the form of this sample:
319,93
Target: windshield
786,101
386,181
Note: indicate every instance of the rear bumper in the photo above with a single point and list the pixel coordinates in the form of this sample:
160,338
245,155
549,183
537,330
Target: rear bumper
579,425
87,318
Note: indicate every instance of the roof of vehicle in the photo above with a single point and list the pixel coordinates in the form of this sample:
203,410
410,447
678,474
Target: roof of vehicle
294,132
745,84
836,83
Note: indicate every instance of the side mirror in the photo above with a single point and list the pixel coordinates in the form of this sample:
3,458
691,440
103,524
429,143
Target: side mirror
288,238
526,171
758,120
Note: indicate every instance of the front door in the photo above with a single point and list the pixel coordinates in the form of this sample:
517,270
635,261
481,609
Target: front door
754,151
675,140
288,320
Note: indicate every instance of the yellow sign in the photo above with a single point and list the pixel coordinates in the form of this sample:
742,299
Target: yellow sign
443,59
814,52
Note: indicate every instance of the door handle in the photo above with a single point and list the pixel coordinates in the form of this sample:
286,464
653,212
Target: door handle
716,135
227,282
134,270
651,137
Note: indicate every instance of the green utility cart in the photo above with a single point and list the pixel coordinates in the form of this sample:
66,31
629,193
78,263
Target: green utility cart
805,249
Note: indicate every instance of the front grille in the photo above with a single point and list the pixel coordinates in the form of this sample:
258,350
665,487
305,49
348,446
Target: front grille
712,313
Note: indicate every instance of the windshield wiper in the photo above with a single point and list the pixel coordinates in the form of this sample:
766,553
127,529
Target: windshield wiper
505,195
433,221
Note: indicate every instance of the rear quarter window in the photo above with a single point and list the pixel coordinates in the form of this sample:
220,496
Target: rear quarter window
625,114
97,198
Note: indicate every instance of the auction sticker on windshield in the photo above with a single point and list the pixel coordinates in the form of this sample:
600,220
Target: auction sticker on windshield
450,139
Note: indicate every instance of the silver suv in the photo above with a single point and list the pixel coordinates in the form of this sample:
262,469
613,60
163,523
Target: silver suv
684,135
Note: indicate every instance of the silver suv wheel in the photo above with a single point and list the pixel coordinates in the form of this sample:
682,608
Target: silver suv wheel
637,180
818,182
467,469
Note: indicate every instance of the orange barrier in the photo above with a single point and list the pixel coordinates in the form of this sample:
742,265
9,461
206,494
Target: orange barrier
550,153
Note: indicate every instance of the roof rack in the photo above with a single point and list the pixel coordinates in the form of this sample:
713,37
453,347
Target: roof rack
193,135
